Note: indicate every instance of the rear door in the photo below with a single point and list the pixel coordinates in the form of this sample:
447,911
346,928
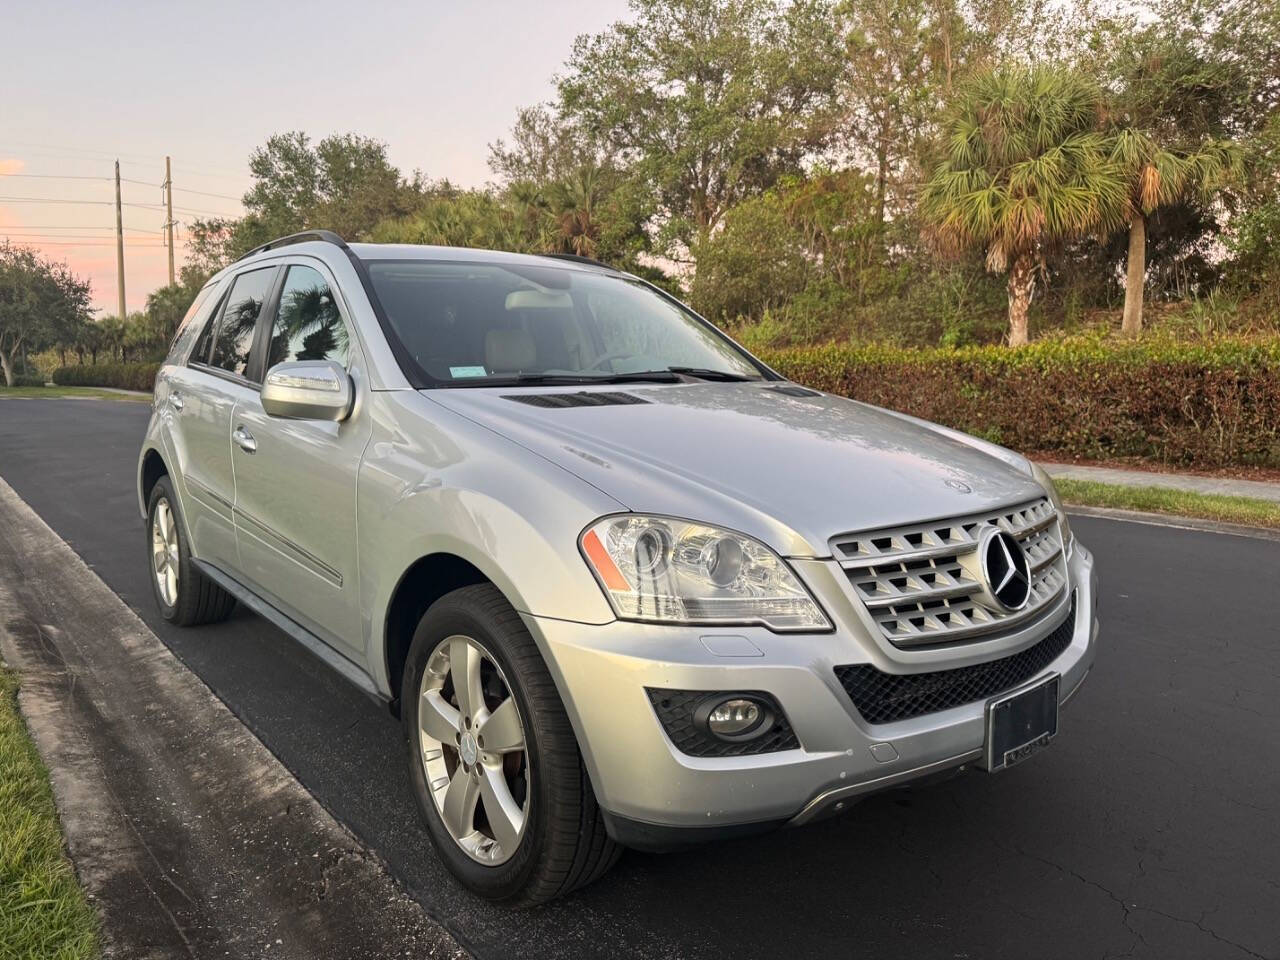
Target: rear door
201,397
296,479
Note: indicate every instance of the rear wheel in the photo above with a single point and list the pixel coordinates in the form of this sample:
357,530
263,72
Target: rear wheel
186,597
495,766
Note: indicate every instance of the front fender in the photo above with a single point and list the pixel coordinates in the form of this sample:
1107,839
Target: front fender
433,482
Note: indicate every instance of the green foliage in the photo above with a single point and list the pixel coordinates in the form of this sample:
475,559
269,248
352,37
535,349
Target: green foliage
124,376
1023,166
43,912
41,302
710,101
1200,406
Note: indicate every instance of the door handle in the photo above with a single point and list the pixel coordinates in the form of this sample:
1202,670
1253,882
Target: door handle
175,400
244,439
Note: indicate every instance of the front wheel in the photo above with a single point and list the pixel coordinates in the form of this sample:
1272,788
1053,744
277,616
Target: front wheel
495,766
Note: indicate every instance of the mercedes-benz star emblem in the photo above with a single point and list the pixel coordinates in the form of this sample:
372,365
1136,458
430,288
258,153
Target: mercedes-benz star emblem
1005,570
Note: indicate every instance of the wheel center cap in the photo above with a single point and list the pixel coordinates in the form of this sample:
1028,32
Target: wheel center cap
468,749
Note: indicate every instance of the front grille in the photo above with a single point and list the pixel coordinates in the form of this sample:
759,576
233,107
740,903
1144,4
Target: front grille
914,584
887,697
675,708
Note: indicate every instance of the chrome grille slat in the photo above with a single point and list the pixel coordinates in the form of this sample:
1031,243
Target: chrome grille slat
913,585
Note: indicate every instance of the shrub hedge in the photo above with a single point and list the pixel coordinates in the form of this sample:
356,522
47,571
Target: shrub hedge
126,376
25,380
1183,404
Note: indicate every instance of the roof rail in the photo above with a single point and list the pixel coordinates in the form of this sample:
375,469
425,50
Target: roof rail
573,257
325,236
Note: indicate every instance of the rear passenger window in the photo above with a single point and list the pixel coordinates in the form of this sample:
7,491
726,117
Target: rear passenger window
307,324
235,331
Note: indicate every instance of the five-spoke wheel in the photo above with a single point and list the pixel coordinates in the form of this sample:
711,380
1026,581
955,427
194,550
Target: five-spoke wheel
164,551
473,749
493,760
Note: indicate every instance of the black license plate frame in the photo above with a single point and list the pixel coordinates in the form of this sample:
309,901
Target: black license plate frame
1021,723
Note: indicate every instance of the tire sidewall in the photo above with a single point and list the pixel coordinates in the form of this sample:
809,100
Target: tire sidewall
446,618
164,491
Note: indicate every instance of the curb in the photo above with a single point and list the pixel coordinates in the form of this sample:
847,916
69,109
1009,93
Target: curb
189,836
1175,521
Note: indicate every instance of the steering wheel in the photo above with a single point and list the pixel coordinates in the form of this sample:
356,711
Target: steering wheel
609,358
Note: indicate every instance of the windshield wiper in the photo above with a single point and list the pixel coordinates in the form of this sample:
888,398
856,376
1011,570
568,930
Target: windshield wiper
702,373
569,379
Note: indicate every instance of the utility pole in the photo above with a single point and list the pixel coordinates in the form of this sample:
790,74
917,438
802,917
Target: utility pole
119,243
168,225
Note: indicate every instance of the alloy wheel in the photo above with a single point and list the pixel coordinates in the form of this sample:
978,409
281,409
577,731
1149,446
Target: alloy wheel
473,750
164,552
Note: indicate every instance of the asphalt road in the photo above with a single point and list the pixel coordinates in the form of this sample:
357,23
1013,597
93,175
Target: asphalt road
1151,828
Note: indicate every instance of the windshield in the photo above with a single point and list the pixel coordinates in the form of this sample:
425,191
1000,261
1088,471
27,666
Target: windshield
467,324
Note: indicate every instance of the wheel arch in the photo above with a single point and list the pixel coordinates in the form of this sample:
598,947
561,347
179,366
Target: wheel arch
424,582
151,467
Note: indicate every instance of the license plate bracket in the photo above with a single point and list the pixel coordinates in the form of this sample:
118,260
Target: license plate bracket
1021,723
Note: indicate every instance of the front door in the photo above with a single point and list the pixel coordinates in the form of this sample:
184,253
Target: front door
295,495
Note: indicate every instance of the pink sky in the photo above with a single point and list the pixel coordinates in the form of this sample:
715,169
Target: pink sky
87,83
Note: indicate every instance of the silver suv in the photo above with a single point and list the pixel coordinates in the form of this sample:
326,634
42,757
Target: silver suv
625,585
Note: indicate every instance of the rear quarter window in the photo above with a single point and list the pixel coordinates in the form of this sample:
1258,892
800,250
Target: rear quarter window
192,324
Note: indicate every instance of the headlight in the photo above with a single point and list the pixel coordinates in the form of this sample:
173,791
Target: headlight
671,571
1046,481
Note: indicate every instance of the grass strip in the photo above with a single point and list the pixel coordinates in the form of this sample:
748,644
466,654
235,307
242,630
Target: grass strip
43,912
47,392
1182,503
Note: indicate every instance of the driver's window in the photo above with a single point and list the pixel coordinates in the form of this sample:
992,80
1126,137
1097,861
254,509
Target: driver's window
307,324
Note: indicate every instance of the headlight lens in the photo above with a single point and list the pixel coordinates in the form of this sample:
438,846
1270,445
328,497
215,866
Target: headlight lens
671,571
1042,477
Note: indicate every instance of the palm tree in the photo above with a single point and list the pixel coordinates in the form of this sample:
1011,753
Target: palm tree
575,201
1022,167
1156,177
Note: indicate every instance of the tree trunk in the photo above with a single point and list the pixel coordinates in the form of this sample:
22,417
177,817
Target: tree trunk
7,364
1022,280
1135,276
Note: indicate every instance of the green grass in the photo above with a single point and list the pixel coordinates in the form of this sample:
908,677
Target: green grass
43,912
1182,503
92,392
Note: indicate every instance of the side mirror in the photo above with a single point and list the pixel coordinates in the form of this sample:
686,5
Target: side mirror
308,390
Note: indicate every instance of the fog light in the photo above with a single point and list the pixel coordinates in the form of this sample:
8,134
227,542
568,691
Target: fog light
735,718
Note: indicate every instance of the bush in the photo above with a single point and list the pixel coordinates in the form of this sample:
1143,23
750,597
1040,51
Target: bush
25,380
1187,405
126,376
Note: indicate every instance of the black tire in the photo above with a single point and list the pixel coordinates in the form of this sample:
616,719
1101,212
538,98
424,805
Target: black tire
199,599
564,845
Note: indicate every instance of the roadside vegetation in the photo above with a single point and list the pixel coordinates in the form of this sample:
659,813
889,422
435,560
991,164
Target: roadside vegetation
1183,503
43,912
1054,225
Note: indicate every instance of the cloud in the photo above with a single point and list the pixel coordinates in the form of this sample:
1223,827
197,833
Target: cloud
10,165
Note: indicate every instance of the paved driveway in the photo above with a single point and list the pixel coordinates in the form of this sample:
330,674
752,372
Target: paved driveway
1151,828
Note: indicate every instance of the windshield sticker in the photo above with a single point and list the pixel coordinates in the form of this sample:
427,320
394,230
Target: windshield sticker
457,372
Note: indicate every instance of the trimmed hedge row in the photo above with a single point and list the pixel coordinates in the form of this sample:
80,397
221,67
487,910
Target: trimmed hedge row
25,380
1182,404
126,376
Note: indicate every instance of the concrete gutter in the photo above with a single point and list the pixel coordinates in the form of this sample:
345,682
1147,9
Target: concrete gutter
189,836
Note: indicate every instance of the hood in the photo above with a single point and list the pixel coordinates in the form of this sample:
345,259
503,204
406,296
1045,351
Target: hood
792,471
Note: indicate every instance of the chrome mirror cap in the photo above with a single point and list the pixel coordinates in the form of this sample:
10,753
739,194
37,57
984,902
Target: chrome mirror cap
308,390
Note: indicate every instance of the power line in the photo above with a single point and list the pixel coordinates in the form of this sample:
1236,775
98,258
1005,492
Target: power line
66,226
53,176
206,193
104,203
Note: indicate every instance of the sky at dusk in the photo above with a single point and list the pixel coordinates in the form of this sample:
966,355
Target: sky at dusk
88,82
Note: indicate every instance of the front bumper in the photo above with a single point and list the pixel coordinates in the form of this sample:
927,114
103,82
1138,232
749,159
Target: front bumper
657,796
